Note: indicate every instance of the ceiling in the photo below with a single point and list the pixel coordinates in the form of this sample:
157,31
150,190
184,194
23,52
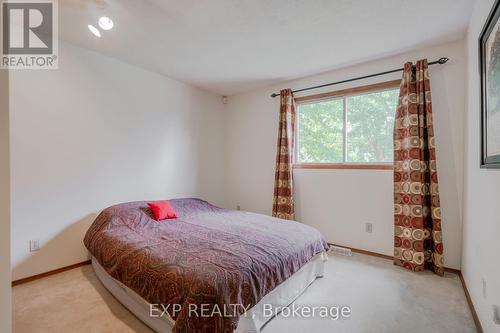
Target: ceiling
233,46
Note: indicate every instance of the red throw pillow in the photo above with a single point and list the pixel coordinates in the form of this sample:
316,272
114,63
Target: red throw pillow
162,210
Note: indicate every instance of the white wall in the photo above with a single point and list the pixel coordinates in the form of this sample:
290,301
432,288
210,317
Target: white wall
5,280
97,132
481,245
340,202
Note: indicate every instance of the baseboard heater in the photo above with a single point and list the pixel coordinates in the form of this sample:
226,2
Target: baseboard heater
340,250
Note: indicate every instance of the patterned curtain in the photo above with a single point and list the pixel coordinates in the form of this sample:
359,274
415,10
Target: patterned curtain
283,179
418,242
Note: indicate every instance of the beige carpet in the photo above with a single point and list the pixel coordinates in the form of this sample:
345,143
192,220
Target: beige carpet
383,298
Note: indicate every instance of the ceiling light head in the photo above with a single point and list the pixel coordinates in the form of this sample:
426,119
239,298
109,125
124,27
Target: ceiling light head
94,30
106,23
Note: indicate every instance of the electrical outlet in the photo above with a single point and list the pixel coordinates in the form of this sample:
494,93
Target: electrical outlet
484,288
369,227
496,314
34,245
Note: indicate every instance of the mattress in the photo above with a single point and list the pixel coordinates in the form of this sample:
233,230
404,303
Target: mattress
251,322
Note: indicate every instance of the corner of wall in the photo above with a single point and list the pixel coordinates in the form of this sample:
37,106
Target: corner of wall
5,272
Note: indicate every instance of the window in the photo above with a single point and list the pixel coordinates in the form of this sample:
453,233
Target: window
349,127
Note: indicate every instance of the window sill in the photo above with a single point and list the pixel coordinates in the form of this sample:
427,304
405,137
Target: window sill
354,166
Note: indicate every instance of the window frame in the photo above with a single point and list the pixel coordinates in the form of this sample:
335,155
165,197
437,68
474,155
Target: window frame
343,93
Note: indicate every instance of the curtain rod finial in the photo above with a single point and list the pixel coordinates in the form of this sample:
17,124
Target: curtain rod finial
274,95
443,60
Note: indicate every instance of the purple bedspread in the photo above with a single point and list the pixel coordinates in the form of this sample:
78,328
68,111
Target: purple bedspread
208,255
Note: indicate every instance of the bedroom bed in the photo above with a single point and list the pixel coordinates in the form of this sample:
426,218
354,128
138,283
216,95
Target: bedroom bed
209,270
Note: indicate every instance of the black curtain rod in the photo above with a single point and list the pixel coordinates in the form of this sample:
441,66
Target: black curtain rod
440,62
